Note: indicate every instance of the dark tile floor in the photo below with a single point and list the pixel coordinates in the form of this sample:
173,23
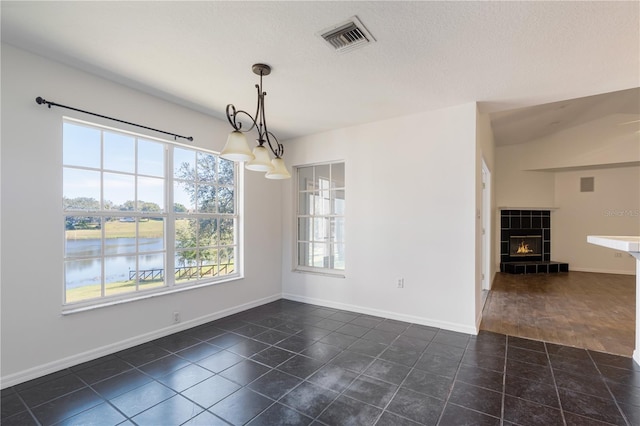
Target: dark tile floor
289,363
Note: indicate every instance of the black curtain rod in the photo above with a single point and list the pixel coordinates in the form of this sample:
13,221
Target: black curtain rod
41,101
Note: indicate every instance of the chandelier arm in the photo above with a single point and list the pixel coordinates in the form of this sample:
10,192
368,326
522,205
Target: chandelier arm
278,151
232,118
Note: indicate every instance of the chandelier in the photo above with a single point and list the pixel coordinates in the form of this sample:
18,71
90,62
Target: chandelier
237,148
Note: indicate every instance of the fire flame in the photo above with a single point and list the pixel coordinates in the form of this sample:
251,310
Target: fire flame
523,248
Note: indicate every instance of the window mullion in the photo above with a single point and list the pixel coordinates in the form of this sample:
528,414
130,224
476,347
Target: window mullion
170,223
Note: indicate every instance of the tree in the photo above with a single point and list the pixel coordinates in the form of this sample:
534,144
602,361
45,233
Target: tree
210,188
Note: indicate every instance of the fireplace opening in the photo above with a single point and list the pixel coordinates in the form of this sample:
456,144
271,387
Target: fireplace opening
525,246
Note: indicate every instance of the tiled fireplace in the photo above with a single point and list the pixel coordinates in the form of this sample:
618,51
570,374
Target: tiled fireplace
525,242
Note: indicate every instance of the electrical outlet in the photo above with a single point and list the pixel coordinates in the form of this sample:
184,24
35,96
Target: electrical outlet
616,254
176,317
400,282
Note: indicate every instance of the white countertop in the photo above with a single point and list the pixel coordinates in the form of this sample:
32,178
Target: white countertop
622,243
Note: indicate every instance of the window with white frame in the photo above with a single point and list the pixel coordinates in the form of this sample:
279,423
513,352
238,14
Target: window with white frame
143,215
320,218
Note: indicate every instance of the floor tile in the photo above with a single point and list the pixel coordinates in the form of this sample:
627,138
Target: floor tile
245,372
345,411
51,389
321,351
387,371
184,378
528,356
227,340
533,372
103,370
367,347
533,391
455,415
478,399
400,355
11,404
591,385
174,411
525,412
453,353
274,384
272,356
197,352
271,337
420,332
142,398
438,364
353,330
451,338
300,366
520,342
381,336
143,355
241,406
103,414
220,361
590,406
371,391
340,340
21,419
211,391
176,342
122,383
309,399
295,343
416,406
480,377
164,366
66,406
428,384
352,361
333,377
389,419
410,343
205,419
280,415
248,348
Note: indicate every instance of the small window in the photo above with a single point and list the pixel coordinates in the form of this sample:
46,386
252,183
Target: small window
320,218
143,215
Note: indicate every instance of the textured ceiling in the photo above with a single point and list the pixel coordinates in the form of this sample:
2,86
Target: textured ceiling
428,55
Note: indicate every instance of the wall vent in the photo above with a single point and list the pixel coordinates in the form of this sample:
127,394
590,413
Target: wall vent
587,184
347,35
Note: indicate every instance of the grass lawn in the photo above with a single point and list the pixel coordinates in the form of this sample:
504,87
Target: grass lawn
117,229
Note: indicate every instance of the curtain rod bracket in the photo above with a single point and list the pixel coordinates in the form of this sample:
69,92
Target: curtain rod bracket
40,101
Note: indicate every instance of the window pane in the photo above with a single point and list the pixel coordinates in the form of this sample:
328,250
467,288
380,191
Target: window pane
82,236
117,270
305,178
320,229
206,168
186,269
119,190
120,236
119,152
152,271
182,199
337,229
304,228
82,279
226,200
337,175
150,158
305,203
81,146
338,256
322,203
184,163
186,237
227,231
150,194
320,255
227,261
207,232
206,198
153,228
337,198
305,255
81,189
322,176
226,172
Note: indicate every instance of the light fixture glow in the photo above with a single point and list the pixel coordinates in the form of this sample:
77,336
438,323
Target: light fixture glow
237,149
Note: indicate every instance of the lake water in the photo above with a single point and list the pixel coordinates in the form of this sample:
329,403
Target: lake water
86,272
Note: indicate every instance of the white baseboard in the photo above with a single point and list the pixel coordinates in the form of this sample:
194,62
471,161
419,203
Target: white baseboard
636,356
602,271
60,364
384,314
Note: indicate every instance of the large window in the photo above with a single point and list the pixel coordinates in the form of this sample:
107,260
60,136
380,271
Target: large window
321,204
143,215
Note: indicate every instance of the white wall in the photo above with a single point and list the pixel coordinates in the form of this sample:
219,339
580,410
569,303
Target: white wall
36,338
612,209
410,213
546,172
485,151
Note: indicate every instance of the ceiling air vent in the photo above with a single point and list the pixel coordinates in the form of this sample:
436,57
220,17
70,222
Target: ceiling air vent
347,35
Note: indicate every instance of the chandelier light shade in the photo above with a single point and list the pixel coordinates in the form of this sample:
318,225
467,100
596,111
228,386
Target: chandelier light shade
237,148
